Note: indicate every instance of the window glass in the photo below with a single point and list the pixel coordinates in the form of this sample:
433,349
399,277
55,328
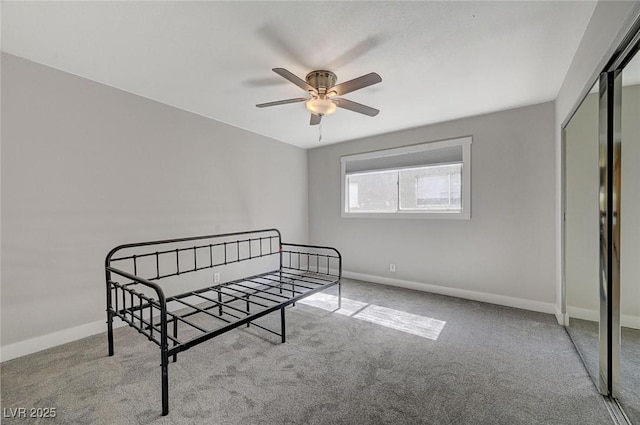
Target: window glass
431,188
373,192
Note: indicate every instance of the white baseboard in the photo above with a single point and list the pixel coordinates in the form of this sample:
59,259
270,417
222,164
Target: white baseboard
561,318
538,306
43,342
630,321
626,320
583,313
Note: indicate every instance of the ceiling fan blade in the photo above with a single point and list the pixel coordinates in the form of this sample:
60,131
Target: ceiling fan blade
356,84
356,107
294,79
315,119
282,102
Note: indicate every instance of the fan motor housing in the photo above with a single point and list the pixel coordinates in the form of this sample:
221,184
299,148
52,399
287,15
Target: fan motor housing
321,79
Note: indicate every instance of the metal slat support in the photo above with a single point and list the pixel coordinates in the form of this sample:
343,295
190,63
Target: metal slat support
283,329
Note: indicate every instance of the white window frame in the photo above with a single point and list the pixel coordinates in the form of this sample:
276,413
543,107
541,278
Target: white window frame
463,214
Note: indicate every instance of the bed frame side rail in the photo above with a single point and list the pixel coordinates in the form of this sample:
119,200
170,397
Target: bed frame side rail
300,259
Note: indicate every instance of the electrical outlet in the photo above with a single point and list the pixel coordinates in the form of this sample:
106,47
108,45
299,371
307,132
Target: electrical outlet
216,278
392,267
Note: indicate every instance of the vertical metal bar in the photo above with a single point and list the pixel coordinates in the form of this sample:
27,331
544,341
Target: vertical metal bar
109,313
177,262
238,250
157,265
248,309
225,253
283,329
175,337
219,303
339,281
124,299
140,310
603,382
150,320
195,259
250,257
614,299
115,295
610,184
563,237
280,250
164,348
135,266
210,255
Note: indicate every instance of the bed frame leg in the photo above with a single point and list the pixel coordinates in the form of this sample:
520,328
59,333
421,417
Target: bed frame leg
110,331
339,294
283,329
165,382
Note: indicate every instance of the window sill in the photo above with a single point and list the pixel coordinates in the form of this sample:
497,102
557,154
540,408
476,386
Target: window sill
464,215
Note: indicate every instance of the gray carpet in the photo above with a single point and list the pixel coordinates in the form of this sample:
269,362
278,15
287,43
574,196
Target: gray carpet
488,365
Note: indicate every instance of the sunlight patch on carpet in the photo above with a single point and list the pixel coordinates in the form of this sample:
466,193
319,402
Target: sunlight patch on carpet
414,324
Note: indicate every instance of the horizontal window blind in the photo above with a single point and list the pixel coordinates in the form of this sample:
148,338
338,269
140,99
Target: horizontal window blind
446,155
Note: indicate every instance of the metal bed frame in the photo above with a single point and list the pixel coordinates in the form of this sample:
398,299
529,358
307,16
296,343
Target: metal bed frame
273,276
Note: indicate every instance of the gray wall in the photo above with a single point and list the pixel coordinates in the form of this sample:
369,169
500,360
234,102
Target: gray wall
86,167
506,249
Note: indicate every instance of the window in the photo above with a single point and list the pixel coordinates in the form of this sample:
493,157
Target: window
435,187
430,180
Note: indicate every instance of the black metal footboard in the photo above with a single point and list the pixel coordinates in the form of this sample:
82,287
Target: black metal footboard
147,289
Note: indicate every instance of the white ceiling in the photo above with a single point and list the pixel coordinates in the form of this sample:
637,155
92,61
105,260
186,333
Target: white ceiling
438,60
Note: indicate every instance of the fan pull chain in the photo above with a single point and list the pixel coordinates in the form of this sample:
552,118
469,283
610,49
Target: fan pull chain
320,132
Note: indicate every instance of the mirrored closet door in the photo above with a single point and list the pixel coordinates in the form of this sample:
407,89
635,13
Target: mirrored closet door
629,386
601,230
581,234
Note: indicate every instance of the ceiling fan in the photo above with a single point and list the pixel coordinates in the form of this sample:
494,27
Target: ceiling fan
321,85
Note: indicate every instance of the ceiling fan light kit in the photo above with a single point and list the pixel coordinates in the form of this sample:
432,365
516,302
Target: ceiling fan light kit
321,106
321,85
